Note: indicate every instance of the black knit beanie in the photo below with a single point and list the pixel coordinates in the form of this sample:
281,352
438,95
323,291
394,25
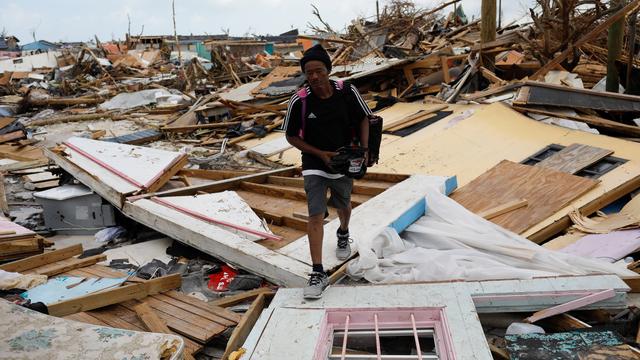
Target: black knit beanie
317,52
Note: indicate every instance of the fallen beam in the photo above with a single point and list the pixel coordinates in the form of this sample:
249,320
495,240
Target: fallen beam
116,295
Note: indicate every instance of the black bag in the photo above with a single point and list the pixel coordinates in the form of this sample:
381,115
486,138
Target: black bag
350,162
375,137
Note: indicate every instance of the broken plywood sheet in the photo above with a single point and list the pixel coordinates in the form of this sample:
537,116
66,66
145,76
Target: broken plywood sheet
278,74
398,112
546,190
124,168
574,158
272,147
66,339
226,206
397,207
496,132
219,241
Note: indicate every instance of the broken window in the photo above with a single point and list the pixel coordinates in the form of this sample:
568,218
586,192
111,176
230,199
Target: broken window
592,171
384,334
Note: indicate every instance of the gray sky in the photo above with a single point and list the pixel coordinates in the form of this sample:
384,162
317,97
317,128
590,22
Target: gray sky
75,20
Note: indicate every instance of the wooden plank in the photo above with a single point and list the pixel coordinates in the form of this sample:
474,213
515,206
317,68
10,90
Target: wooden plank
243,329
43,185
86,318
613,126
150,319
571,305
55,269
546,191
128,319
633,283
205,314
44,259
574,158
20,248
359,186
502,209
292,192
40,177
154,324
207,306
231,300
15,135
24,165
175,323
4,206
220,185
114,296
215,327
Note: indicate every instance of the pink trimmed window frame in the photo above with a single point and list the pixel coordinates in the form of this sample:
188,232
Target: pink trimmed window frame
376,319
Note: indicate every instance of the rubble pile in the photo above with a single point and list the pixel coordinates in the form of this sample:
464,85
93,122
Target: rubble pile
146,185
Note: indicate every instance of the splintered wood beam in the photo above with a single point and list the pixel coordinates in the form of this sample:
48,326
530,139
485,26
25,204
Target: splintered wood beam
42,259
571,305
116,295
240,333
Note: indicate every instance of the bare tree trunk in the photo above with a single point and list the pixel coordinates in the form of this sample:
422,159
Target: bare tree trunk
175,32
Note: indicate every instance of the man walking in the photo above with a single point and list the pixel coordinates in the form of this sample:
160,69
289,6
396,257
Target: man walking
322,117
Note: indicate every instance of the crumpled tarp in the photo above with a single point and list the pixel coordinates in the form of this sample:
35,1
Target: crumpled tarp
452,243
140,98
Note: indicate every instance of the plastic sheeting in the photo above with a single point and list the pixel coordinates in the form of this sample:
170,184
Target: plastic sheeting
452,243
141,98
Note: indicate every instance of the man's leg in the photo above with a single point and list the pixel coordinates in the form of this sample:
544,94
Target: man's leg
316,190
345,215
315,232
341,199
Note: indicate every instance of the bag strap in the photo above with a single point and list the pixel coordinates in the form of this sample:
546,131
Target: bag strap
302,94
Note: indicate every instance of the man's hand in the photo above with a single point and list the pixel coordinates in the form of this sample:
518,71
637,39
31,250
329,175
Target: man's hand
326,156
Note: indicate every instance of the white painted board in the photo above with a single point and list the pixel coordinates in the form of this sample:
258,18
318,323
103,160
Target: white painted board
272,147
142,164
225,206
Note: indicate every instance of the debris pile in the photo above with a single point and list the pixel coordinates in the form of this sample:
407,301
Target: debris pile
147,186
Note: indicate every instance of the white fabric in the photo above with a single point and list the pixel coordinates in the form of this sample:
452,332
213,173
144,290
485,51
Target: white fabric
450,243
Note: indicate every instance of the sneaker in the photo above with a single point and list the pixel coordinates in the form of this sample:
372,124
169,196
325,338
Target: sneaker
343,250
317,283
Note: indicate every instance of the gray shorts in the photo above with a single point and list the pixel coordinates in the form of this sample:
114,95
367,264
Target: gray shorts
316,188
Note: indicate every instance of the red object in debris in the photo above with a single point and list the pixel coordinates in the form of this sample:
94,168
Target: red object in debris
220,280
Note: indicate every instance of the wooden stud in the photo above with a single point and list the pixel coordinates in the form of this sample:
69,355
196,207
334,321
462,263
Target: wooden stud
116,295
502,209
43,259
75,263
240,298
